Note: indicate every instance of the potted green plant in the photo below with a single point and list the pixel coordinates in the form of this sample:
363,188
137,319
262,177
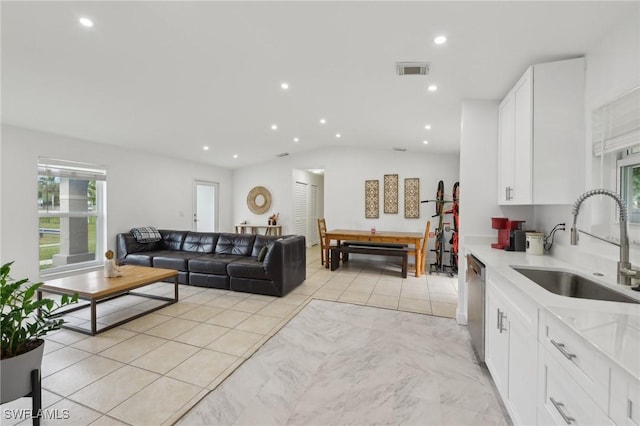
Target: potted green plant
25,320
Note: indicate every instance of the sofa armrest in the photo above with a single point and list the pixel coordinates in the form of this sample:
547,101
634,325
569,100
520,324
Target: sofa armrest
286,262
127,244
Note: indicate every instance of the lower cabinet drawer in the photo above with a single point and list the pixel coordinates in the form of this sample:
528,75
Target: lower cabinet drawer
562,401
583,363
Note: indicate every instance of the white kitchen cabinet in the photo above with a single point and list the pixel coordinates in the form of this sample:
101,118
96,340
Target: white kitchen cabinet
497,338
624,398
511,348
541,136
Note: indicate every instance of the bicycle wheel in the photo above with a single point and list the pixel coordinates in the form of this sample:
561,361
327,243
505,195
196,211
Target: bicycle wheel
440,198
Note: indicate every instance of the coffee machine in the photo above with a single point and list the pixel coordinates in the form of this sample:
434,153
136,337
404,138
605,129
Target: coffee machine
511,236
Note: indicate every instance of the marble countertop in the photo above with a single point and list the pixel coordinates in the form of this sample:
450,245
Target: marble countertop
611,327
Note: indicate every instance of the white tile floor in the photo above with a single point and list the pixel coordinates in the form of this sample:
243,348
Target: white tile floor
153,369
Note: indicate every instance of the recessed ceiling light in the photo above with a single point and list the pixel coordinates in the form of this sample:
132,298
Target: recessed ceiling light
432,88
284,85
274,127
440,40
296,139
323,121
338,135
206,148
86,22
235,155
425,142
427,126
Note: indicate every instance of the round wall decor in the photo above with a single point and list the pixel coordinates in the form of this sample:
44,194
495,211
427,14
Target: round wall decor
259,200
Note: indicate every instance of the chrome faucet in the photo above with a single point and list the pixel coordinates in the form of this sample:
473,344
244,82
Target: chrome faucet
625,270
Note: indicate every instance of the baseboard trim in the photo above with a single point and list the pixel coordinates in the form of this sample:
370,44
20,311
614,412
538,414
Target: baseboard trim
461,318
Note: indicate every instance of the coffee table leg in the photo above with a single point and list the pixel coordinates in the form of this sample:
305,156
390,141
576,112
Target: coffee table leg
175,283
93,317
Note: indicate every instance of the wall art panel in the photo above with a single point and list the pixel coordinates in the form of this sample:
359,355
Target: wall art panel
372,199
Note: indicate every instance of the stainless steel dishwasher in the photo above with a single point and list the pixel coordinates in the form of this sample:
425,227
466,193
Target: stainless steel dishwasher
475,302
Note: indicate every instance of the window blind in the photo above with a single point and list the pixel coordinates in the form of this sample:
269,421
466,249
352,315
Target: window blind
70,169
616,125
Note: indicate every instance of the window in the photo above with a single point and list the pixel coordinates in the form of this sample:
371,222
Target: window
629,182
72,212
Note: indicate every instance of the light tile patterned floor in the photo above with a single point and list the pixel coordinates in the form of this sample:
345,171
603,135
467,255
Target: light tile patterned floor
357,365
153,369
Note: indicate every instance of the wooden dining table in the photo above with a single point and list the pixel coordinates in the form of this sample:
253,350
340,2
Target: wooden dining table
411,238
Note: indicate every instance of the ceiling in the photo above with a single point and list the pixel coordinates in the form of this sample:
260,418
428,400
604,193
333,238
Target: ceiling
173,77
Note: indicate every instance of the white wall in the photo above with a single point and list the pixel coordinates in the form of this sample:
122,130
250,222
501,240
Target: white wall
142,190
612,68
479,185
346,169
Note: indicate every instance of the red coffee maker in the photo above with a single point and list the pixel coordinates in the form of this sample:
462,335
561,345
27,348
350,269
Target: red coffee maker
504,227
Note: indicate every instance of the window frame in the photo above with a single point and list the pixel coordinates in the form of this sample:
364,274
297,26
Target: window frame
100,213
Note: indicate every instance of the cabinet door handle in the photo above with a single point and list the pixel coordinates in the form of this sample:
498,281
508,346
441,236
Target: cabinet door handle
629,410
560,347
502,318
559,406
498,316
507,193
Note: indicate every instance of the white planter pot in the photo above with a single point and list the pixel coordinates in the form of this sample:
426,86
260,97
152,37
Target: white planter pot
15,373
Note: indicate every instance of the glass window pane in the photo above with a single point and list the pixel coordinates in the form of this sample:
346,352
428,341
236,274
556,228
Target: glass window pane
69,223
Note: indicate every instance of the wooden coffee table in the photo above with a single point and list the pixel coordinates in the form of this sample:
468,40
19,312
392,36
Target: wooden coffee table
95,288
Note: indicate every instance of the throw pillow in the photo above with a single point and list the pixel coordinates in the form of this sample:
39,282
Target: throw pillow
263,253
147,234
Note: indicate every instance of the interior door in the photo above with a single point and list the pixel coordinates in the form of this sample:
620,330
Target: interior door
312,234
301,210
205,217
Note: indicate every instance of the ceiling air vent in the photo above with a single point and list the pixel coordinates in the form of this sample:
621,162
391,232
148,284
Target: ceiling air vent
412,68
399,149
283,154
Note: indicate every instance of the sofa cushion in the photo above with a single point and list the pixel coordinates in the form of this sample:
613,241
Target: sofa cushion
177,260
172,240
200,242
261,241
247,267
238,244
212,263
144,258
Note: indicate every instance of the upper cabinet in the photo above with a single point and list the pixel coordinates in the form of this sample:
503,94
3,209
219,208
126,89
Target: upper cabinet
541,141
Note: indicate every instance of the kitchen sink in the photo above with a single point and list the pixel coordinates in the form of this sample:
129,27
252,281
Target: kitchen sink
572,285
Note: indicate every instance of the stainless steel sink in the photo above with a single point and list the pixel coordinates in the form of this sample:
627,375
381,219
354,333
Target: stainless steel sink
572,285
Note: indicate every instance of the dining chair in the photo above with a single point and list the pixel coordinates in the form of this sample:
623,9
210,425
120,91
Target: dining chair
424,248
322,230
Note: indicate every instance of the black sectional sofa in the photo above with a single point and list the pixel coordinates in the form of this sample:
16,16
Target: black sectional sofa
222,260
